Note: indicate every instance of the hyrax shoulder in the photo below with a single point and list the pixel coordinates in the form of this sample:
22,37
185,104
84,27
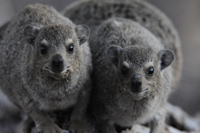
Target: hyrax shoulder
136,58
45,63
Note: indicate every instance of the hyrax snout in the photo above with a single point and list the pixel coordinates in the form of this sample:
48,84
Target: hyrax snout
57,64
45,66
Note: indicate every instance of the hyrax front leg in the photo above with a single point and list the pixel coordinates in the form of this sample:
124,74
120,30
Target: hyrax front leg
157,125
44,124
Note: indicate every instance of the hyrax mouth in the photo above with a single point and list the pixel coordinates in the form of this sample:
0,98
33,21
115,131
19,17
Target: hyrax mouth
137,94
141,90
57,75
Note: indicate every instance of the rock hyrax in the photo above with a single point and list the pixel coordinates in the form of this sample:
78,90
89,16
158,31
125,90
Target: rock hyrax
136,59
45,65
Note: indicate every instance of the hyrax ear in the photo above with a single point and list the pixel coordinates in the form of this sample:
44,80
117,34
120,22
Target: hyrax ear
113,53
83,33
166,58
30,33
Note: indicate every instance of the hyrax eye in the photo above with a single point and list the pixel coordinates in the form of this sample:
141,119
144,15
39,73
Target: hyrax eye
71,48
124,70
43,49
150,71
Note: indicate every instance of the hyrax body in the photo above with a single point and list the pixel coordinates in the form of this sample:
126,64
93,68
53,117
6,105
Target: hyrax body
45,65
133,54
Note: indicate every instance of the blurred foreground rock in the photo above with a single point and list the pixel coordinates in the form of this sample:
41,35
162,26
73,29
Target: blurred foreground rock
176,117
142,129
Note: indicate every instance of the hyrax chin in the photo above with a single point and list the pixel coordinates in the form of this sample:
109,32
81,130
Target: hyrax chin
132,76
45,66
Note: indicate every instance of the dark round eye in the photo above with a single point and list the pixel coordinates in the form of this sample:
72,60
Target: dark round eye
70,48
124,70
43,49
150,71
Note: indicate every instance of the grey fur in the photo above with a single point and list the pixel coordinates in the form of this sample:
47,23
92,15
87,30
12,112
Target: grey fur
2,30
26,75
137,36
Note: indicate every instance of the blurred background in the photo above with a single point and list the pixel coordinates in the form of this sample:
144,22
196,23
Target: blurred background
185,14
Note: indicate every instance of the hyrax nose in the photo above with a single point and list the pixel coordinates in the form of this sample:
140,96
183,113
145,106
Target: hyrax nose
57,63
136,80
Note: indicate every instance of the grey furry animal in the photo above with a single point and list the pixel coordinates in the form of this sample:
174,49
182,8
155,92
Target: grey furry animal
45,66
133,46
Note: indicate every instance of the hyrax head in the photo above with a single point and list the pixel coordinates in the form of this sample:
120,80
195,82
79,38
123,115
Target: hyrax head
57,49
139,68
